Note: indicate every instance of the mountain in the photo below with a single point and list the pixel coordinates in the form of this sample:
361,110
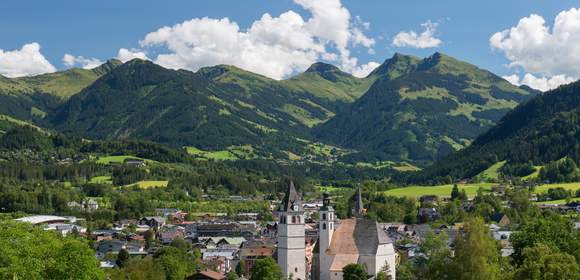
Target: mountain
29,97
419,110
214,108
542,131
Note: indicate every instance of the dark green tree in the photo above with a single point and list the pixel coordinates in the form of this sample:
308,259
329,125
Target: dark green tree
354,271
266,269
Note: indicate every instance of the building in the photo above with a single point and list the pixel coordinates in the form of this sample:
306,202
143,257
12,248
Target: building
207,275
291,236
352,241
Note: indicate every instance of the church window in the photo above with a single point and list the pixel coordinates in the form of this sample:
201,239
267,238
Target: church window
293,219
324,216
324,226
299,220
295,269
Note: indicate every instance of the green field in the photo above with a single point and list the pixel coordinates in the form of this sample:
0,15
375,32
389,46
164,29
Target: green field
441,191
233,153
117,159
560,201
101,180
492,173
150,184
568,186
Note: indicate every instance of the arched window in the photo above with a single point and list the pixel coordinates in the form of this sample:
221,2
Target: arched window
284,219
293,219
299,220
324,226
324,216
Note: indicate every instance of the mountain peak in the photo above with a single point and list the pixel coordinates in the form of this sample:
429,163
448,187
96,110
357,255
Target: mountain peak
107,67
396,66
327,71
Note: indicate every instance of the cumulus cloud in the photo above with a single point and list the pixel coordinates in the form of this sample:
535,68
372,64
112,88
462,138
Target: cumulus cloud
70,60
26,61
424,40
273,46
540,83
125,55
549,54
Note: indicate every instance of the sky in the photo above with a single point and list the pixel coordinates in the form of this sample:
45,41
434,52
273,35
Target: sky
527,42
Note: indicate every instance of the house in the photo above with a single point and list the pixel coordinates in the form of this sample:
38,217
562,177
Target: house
253,250
114,246
167,235
90,205
153,222
501,219
170,212
428,200
134,162
207,275
427,214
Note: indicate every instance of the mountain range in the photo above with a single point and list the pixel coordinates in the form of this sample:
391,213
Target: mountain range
408,109
543,131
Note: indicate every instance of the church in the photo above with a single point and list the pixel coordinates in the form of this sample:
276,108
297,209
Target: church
340,242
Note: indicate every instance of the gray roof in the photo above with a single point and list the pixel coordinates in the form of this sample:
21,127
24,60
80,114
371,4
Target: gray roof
292,201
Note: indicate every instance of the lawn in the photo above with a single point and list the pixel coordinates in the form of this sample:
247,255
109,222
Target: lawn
568,186
216,155
150,184
441,191
560,201
116,159
492,173
101,180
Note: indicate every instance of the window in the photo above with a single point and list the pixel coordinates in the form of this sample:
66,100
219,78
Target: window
295,269
324,226
299,220
330,226
324,216
293,219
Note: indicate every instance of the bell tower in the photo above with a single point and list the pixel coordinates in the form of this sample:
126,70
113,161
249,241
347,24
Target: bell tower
291,236
326,229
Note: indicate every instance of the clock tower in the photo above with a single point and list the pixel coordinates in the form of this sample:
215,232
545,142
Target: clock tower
291,240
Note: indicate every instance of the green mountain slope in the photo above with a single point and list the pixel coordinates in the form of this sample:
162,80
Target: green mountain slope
421,110
33,97
213,109
541,131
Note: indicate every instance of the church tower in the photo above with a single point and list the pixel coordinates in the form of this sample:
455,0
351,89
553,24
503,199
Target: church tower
291,240
359,209
326,229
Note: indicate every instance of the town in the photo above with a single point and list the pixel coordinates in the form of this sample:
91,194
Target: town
305,237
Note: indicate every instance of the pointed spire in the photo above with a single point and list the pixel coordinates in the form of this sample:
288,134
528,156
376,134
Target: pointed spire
358,207
292,201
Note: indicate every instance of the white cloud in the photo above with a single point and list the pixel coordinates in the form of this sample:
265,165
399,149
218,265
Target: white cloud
540,83
273,46
550,54
70,60
424,40
24,62
365,69
125,55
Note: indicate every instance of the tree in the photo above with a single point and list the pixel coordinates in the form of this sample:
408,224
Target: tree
354,272
241,268
231,276
476,253
455,192
122,258
266,269
438,256
553,231
29,252
544,263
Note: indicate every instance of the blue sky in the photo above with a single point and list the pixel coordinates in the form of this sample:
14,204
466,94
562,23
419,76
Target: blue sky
98,29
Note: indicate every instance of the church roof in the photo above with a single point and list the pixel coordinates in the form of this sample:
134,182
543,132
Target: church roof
292,201
353,238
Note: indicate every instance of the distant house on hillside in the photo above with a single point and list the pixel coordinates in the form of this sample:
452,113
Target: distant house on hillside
153,222
501,219
427,214
134,162
428,200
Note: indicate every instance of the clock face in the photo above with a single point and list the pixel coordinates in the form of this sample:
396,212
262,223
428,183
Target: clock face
295,207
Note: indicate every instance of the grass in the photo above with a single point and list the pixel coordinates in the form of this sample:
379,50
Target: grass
567,186
560,201
441,191
118,159
232,153
492,173
150,184
101,180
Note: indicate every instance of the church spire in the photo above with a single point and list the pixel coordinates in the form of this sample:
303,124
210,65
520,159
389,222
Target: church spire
358,206
292,201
